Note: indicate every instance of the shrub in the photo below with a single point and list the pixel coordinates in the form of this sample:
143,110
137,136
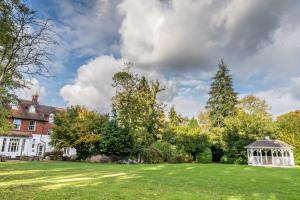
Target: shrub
160,152
224,159
227,159
240,160
55,155
205,156
297,155
184,157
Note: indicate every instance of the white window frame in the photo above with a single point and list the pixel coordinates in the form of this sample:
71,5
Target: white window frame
33,145
17,126
14,106
3,144
51,118
14,144
30,125
32,109
40,150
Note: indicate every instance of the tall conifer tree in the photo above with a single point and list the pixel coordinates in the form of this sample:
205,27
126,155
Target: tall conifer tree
222,97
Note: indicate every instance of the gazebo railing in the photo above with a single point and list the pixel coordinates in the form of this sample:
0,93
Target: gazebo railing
269,160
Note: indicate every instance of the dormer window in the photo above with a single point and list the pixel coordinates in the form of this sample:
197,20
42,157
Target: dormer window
51,118
14,106
31,109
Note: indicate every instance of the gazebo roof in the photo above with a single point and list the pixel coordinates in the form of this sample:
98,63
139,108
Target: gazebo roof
267,143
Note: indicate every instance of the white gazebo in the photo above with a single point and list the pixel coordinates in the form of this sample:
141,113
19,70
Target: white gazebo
270,153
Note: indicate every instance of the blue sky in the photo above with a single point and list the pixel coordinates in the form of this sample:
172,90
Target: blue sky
179,42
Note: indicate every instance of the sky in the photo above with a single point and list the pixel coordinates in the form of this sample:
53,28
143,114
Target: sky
178,42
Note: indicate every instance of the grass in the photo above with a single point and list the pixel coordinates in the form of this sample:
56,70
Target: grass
67,180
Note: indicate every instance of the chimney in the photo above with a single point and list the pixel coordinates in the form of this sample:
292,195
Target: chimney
35,98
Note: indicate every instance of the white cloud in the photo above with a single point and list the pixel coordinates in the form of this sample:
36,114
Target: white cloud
179,43
34,87
183,35
93,85
188,106
283,99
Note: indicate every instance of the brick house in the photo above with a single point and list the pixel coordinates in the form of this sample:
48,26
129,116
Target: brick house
32,125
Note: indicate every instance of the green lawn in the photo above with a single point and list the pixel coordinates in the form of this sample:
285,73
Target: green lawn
67,180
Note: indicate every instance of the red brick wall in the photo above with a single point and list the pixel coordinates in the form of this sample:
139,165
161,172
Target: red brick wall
41,127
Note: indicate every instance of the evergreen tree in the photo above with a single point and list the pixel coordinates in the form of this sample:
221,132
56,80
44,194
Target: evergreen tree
223,98
173,117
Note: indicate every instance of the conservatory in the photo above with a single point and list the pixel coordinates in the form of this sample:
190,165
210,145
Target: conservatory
269,152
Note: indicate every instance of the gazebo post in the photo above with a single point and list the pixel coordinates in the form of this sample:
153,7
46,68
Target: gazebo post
251,156
266,156
281,151
272,150
260,156
251,152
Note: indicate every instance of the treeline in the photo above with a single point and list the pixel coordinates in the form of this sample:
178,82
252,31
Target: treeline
139,128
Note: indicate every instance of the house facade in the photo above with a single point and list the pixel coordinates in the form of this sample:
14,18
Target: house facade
32,125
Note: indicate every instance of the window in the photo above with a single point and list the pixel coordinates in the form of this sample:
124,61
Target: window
66,151
49,131
3,145
40,150
14,106
16,124
33,145
13,145
31,126
51,118
31,109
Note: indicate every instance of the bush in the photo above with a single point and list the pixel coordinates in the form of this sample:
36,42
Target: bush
240,160
55,155
225,159
205,156
297,155
184,157
160,152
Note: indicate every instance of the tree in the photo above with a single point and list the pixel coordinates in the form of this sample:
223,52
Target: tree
289,131
173,117
5,125
78,128
136,108
24,49
115,140
242,129
204,119
150,109
222,97
191,139
193,123
125,102
254,105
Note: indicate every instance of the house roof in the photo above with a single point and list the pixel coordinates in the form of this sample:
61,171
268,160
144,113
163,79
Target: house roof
42,111
268,144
